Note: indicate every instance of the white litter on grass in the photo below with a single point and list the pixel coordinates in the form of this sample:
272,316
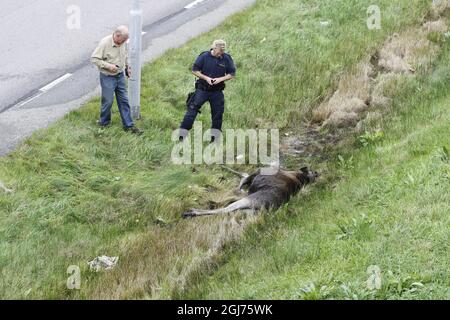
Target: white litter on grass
103,263
2,186
324,23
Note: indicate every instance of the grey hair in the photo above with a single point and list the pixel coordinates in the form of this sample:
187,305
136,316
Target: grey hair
221,44
121,31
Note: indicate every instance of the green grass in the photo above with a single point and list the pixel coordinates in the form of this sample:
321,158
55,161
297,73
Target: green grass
389,207
81,191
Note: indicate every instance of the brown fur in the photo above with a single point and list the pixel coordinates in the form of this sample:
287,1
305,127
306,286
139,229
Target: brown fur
265,192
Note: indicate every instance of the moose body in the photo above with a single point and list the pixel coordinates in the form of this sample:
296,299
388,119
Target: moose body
264,191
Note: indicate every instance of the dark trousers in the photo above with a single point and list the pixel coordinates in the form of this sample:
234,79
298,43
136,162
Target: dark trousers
216,100
110,85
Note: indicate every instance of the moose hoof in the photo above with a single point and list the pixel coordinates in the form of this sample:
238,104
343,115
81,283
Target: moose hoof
188,214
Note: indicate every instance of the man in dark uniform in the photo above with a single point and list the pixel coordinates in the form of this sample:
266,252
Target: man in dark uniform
212,68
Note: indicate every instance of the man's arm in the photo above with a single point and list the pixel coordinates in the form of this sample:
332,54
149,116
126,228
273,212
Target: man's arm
97,59
127,62
223,79
211,81
197,70
200,75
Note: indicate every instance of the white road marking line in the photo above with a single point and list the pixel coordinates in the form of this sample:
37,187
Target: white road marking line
30,99
45,89
193,4
68,75
55,83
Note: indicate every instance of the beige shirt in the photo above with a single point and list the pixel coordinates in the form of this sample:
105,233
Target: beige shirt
108,52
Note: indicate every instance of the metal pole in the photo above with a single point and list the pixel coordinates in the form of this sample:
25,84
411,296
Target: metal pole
135,49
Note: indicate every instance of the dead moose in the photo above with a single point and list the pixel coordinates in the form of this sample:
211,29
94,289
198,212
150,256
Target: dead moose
264,191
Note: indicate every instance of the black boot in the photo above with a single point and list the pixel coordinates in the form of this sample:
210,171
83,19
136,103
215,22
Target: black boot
134,130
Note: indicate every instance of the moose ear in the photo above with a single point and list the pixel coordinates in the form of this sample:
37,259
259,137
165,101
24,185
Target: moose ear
304,169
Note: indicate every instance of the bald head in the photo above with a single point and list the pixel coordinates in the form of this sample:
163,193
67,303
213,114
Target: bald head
121,35
122,31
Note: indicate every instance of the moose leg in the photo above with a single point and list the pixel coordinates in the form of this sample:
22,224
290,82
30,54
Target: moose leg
247,180
242,204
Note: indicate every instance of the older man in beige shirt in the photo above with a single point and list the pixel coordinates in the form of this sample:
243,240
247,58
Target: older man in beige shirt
111,58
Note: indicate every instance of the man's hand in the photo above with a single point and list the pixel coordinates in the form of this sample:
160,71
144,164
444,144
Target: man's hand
217,80
210,81
112,68
128,71
200,75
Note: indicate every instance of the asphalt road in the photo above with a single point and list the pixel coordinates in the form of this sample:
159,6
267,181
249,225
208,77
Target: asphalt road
38,47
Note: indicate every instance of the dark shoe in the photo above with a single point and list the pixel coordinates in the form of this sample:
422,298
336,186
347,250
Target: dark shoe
181,139
134,130
101,125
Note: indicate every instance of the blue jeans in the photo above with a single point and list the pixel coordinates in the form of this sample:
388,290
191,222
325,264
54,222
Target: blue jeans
110,85
216,100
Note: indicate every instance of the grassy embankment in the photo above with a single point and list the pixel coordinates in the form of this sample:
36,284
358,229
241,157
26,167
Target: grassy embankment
81,191
388,210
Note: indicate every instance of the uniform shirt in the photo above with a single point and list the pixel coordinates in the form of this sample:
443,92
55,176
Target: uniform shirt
109,52
214,67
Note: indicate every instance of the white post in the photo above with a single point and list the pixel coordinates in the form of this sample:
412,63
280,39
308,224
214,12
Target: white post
135,49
